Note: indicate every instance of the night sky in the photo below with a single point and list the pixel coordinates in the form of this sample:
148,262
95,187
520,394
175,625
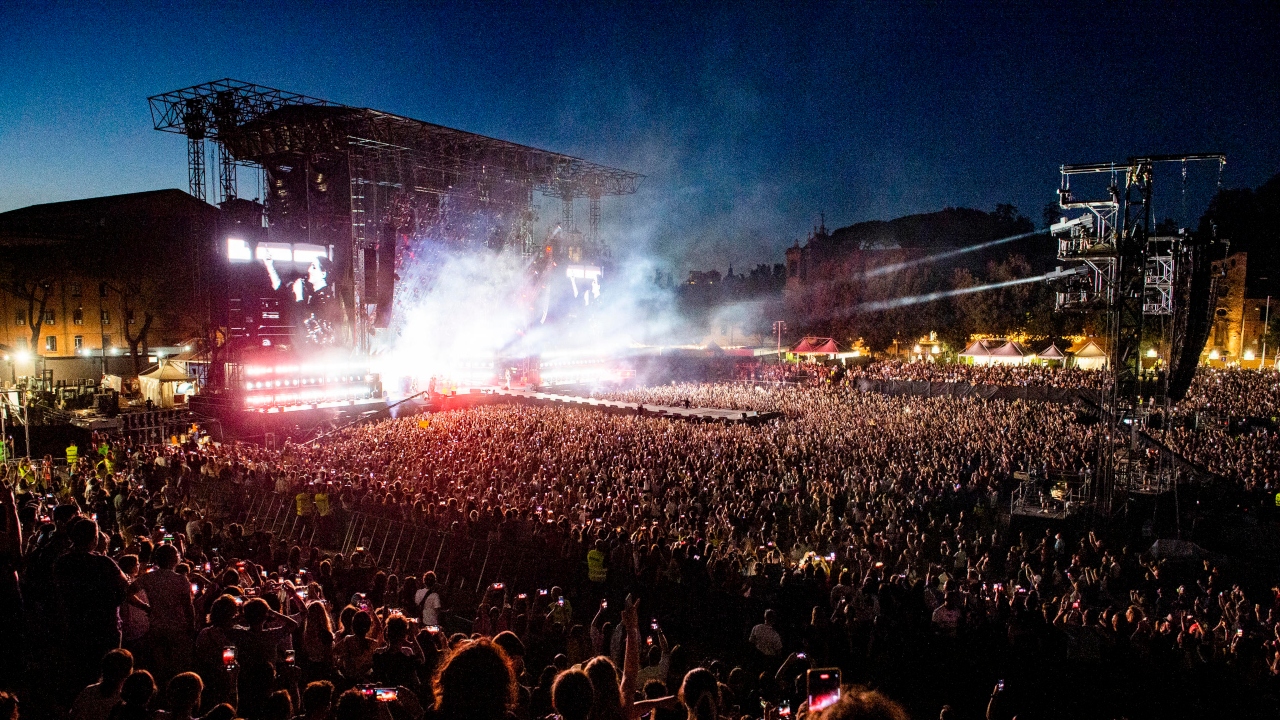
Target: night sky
749,120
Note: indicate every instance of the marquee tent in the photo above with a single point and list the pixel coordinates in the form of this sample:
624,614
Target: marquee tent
1011,353
816,346
159,385
979,352
1052,354
1089,355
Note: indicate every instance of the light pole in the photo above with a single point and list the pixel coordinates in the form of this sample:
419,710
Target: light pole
778,327
1266,320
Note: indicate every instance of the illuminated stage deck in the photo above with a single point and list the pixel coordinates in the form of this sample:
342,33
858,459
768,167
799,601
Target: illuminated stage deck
496,395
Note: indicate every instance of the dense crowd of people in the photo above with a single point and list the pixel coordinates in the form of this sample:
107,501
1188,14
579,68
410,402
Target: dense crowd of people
1044,374
681,568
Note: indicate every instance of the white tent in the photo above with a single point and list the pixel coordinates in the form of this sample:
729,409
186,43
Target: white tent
1011,353
1089,355
162,384
979,351
1052,354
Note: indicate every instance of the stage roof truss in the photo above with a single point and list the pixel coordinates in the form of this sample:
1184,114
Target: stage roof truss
248,119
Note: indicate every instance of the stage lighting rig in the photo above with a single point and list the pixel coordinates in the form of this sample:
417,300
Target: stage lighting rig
1130,274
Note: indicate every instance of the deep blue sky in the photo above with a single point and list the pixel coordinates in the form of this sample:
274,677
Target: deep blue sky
748,119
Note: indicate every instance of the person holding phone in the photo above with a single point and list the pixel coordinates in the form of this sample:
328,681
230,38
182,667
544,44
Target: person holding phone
211,642
858,702
559,609
399,662
172,616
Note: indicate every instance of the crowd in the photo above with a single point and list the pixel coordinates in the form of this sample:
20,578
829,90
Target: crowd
696,569
801,371
1010,375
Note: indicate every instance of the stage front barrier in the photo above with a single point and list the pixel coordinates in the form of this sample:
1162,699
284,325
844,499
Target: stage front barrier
460,560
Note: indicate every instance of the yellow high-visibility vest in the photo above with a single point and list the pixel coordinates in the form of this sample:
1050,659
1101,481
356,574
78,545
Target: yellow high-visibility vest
596,571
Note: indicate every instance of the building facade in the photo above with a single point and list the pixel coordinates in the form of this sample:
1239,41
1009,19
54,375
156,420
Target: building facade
85,282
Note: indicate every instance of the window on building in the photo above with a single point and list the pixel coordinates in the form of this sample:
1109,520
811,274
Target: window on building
23,343
77,316
106,317
50,318
79,342
128,316
102,289
51,343
19,317
75,289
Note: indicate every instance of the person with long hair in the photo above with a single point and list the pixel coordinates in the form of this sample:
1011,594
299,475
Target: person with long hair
475,683
859,703
353,654
700,694
317,641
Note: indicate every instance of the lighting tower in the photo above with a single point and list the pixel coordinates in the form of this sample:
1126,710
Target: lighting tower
1129,275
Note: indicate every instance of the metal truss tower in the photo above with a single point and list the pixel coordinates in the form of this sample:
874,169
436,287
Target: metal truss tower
195,168
226,174
593,220
1130,276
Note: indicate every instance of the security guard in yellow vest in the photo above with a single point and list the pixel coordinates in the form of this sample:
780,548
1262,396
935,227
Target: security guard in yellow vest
73,455
596,571
303,500
322,502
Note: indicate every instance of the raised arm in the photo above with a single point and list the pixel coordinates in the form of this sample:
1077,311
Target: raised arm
631,656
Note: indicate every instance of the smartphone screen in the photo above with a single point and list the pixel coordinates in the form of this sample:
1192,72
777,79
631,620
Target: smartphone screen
784,708
229,655
824,688
384,694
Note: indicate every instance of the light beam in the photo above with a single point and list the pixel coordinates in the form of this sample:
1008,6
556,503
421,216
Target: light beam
879,305
896,267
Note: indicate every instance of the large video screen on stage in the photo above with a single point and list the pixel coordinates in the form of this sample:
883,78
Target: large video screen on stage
282,294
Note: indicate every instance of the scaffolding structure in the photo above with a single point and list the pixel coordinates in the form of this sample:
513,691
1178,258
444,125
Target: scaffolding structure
461,187
1130,274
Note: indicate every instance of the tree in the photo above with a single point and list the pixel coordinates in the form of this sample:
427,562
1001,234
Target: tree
30,276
